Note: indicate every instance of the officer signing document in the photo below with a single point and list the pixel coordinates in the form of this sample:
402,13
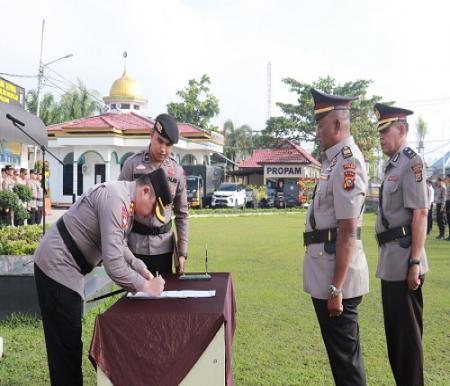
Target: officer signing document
95,228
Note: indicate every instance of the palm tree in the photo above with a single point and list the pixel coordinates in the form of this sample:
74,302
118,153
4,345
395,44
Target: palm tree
238,141
421,132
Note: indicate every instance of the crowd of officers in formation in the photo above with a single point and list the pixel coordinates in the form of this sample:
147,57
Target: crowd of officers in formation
439,195
11,177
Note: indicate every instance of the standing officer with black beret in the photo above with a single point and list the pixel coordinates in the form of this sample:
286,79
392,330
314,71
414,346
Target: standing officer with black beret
335,269
152,239
401,232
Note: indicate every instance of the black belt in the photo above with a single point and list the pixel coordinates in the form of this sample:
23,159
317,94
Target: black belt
393,234
324,236
77,255
150,231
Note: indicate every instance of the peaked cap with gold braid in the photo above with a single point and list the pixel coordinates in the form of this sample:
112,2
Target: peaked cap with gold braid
386,115
161,188
324,103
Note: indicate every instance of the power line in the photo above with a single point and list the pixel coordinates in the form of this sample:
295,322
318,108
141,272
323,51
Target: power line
18,75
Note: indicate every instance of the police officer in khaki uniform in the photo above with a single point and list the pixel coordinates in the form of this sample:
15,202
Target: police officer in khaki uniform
32,205
93,229
150,239
8,182
440,195
447,205
22,177
401,233
335,269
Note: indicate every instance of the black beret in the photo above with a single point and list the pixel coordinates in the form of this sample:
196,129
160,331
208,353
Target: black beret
9,167
33,171
161,187
166,126
386,115
324,103
23,170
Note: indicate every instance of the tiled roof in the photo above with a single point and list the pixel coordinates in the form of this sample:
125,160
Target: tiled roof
125,122
289,152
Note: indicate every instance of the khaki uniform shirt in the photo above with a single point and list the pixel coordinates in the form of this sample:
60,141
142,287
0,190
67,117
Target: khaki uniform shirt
40,194
404,189
139,164
440,195
34,191
98,222
20,181
8,183
448,194
340,194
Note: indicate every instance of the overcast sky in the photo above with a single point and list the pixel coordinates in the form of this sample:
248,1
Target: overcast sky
402,45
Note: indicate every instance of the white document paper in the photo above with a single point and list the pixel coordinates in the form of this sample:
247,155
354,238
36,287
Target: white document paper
174,294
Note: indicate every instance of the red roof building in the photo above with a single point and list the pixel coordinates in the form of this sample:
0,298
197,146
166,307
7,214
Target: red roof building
288,162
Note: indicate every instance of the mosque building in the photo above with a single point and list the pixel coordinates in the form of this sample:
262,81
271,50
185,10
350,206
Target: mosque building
94,149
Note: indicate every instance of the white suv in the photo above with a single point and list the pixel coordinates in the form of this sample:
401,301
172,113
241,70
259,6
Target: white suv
229,195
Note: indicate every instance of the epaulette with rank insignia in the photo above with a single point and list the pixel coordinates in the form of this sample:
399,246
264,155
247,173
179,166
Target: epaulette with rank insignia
346,152
410,153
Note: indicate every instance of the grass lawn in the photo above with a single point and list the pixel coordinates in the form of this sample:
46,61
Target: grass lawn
277,341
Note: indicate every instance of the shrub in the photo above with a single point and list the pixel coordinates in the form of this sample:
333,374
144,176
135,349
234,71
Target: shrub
23,192
21,240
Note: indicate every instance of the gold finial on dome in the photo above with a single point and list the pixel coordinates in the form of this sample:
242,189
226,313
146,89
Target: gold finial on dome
125,88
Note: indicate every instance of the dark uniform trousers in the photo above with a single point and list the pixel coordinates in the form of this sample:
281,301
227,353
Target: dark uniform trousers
61,310
447,212
440,219
430,219
403,310
341,338
161,263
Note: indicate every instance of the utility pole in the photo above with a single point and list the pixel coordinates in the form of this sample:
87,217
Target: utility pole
40,74
269,90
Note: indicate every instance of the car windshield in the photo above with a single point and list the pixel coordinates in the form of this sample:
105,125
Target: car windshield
228,187
192,184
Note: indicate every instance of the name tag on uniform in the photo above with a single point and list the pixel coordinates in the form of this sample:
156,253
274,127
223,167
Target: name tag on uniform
141,167
393,178
324,176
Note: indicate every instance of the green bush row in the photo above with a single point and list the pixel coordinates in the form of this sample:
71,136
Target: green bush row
21,240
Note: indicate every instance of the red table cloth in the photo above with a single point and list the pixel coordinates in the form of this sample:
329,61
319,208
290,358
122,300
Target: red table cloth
157,342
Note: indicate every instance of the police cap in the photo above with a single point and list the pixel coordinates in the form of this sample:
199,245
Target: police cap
324,103
166,126
386,115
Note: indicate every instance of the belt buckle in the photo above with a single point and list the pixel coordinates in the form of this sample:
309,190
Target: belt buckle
403,230
329,235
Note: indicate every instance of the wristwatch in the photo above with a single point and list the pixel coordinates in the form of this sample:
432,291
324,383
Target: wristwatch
333,291
412,261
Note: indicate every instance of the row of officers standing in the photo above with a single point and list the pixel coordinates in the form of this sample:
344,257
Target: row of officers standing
439,196
335,271
11,177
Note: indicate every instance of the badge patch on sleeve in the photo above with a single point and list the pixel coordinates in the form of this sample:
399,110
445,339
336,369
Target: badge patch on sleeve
124,217
349,179
171,171
346,152
417,169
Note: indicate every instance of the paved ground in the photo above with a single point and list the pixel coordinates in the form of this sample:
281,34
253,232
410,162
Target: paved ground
56,214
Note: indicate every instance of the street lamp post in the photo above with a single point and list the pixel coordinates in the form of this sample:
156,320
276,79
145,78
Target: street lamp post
42,67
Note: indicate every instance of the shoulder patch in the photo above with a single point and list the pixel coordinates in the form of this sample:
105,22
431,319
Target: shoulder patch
410,153
417,169
346,152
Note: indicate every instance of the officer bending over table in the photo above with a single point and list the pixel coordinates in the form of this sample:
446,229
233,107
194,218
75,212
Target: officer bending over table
95,228
152,240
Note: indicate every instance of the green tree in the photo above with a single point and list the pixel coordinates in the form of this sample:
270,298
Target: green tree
77,102
421,132
198,107
49,110
238,141
298,122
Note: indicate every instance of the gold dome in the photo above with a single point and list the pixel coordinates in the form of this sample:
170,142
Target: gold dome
125,88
